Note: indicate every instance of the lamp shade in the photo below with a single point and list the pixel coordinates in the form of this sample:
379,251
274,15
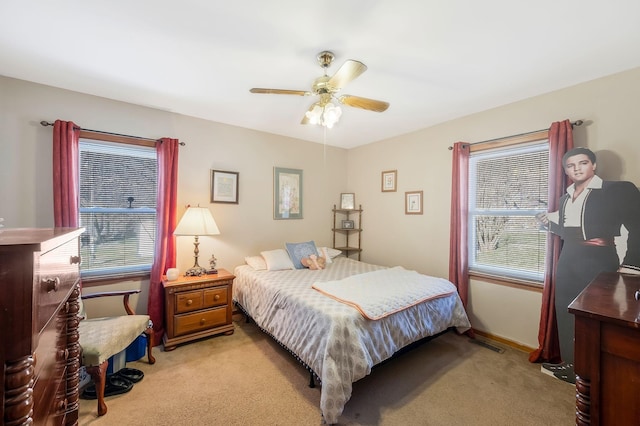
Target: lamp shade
197,221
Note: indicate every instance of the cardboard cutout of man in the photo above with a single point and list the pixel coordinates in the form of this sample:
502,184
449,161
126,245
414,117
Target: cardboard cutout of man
590,216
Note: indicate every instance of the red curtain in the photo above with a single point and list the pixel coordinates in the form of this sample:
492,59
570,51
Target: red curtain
560,141
458,245
66,174
165,246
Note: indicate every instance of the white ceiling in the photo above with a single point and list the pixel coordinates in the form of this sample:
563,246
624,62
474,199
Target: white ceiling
432,60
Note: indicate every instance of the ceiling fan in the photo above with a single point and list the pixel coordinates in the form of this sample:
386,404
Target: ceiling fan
324,112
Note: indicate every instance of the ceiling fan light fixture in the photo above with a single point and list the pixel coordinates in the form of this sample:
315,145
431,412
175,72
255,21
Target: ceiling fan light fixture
315,114
327,115
331,115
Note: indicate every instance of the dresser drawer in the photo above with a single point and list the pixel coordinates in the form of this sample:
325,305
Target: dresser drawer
50,371
50,408
57,273
620,342
216,296
198,321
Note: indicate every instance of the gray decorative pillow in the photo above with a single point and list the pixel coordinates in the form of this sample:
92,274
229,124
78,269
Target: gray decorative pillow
298,251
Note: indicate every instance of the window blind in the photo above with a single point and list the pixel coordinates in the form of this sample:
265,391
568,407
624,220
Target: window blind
507,188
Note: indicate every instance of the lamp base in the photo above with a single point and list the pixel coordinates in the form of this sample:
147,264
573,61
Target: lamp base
212,271
196,271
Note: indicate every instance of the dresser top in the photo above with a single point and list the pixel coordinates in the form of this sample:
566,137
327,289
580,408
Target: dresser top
36,239
610,297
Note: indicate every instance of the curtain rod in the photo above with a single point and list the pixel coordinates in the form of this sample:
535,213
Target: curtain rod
574,123
46,123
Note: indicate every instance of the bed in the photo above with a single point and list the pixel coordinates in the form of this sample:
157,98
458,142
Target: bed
331,336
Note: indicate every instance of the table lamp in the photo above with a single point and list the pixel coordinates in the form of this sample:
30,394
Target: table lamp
196,221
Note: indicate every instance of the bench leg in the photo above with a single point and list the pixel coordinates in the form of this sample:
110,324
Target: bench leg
149,333
99,375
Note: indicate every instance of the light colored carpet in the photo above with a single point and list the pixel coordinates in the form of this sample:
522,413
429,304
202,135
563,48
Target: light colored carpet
248,379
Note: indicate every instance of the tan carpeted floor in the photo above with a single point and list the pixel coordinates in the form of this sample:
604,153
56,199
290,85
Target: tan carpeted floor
248,379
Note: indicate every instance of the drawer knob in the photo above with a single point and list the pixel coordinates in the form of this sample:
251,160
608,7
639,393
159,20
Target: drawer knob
63,355
62,405
189,302
202,321
51,284
74,260
216,297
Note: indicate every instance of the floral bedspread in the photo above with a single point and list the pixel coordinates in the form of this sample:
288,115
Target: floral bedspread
332,338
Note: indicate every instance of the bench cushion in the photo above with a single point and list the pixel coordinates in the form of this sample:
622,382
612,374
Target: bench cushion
101,338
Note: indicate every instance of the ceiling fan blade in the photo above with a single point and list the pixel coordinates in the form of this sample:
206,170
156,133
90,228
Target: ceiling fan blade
349,71
364,103
280,91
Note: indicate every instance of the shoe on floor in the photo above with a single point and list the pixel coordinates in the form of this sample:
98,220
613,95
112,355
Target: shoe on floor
568,375
115,385
132,374
557,368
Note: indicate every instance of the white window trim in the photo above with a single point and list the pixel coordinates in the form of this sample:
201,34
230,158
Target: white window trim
99,141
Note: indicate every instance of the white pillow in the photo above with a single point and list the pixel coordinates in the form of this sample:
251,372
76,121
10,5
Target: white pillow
277,259
328,253
256,262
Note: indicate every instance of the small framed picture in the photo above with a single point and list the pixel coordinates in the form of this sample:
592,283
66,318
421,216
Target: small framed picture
348,201
389,180
224,187
413,202
347,224
287,193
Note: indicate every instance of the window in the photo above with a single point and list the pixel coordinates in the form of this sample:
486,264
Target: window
118,184
507,188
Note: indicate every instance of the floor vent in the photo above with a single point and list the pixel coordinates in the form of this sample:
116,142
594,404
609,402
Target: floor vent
487,345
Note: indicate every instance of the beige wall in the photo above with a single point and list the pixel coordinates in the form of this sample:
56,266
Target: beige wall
609,107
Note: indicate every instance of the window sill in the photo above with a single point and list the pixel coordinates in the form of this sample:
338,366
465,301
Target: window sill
509,282
113,279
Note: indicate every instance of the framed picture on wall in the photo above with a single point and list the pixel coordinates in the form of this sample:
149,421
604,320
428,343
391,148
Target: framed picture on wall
224,187
413,202
287,193
389,180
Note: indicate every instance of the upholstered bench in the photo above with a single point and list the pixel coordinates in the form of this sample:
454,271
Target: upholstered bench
102,338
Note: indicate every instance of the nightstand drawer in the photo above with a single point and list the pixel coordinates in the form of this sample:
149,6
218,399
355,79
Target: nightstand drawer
190,301
216,296
203,320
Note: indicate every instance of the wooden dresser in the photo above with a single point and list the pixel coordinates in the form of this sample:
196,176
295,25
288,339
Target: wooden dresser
607,351
40,354
197,307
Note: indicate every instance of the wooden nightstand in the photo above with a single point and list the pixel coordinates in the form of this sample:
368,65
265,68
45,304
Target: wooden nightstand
197,307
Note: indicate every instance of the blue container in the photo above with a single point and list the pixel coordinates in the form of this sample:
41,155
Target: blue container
137,349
